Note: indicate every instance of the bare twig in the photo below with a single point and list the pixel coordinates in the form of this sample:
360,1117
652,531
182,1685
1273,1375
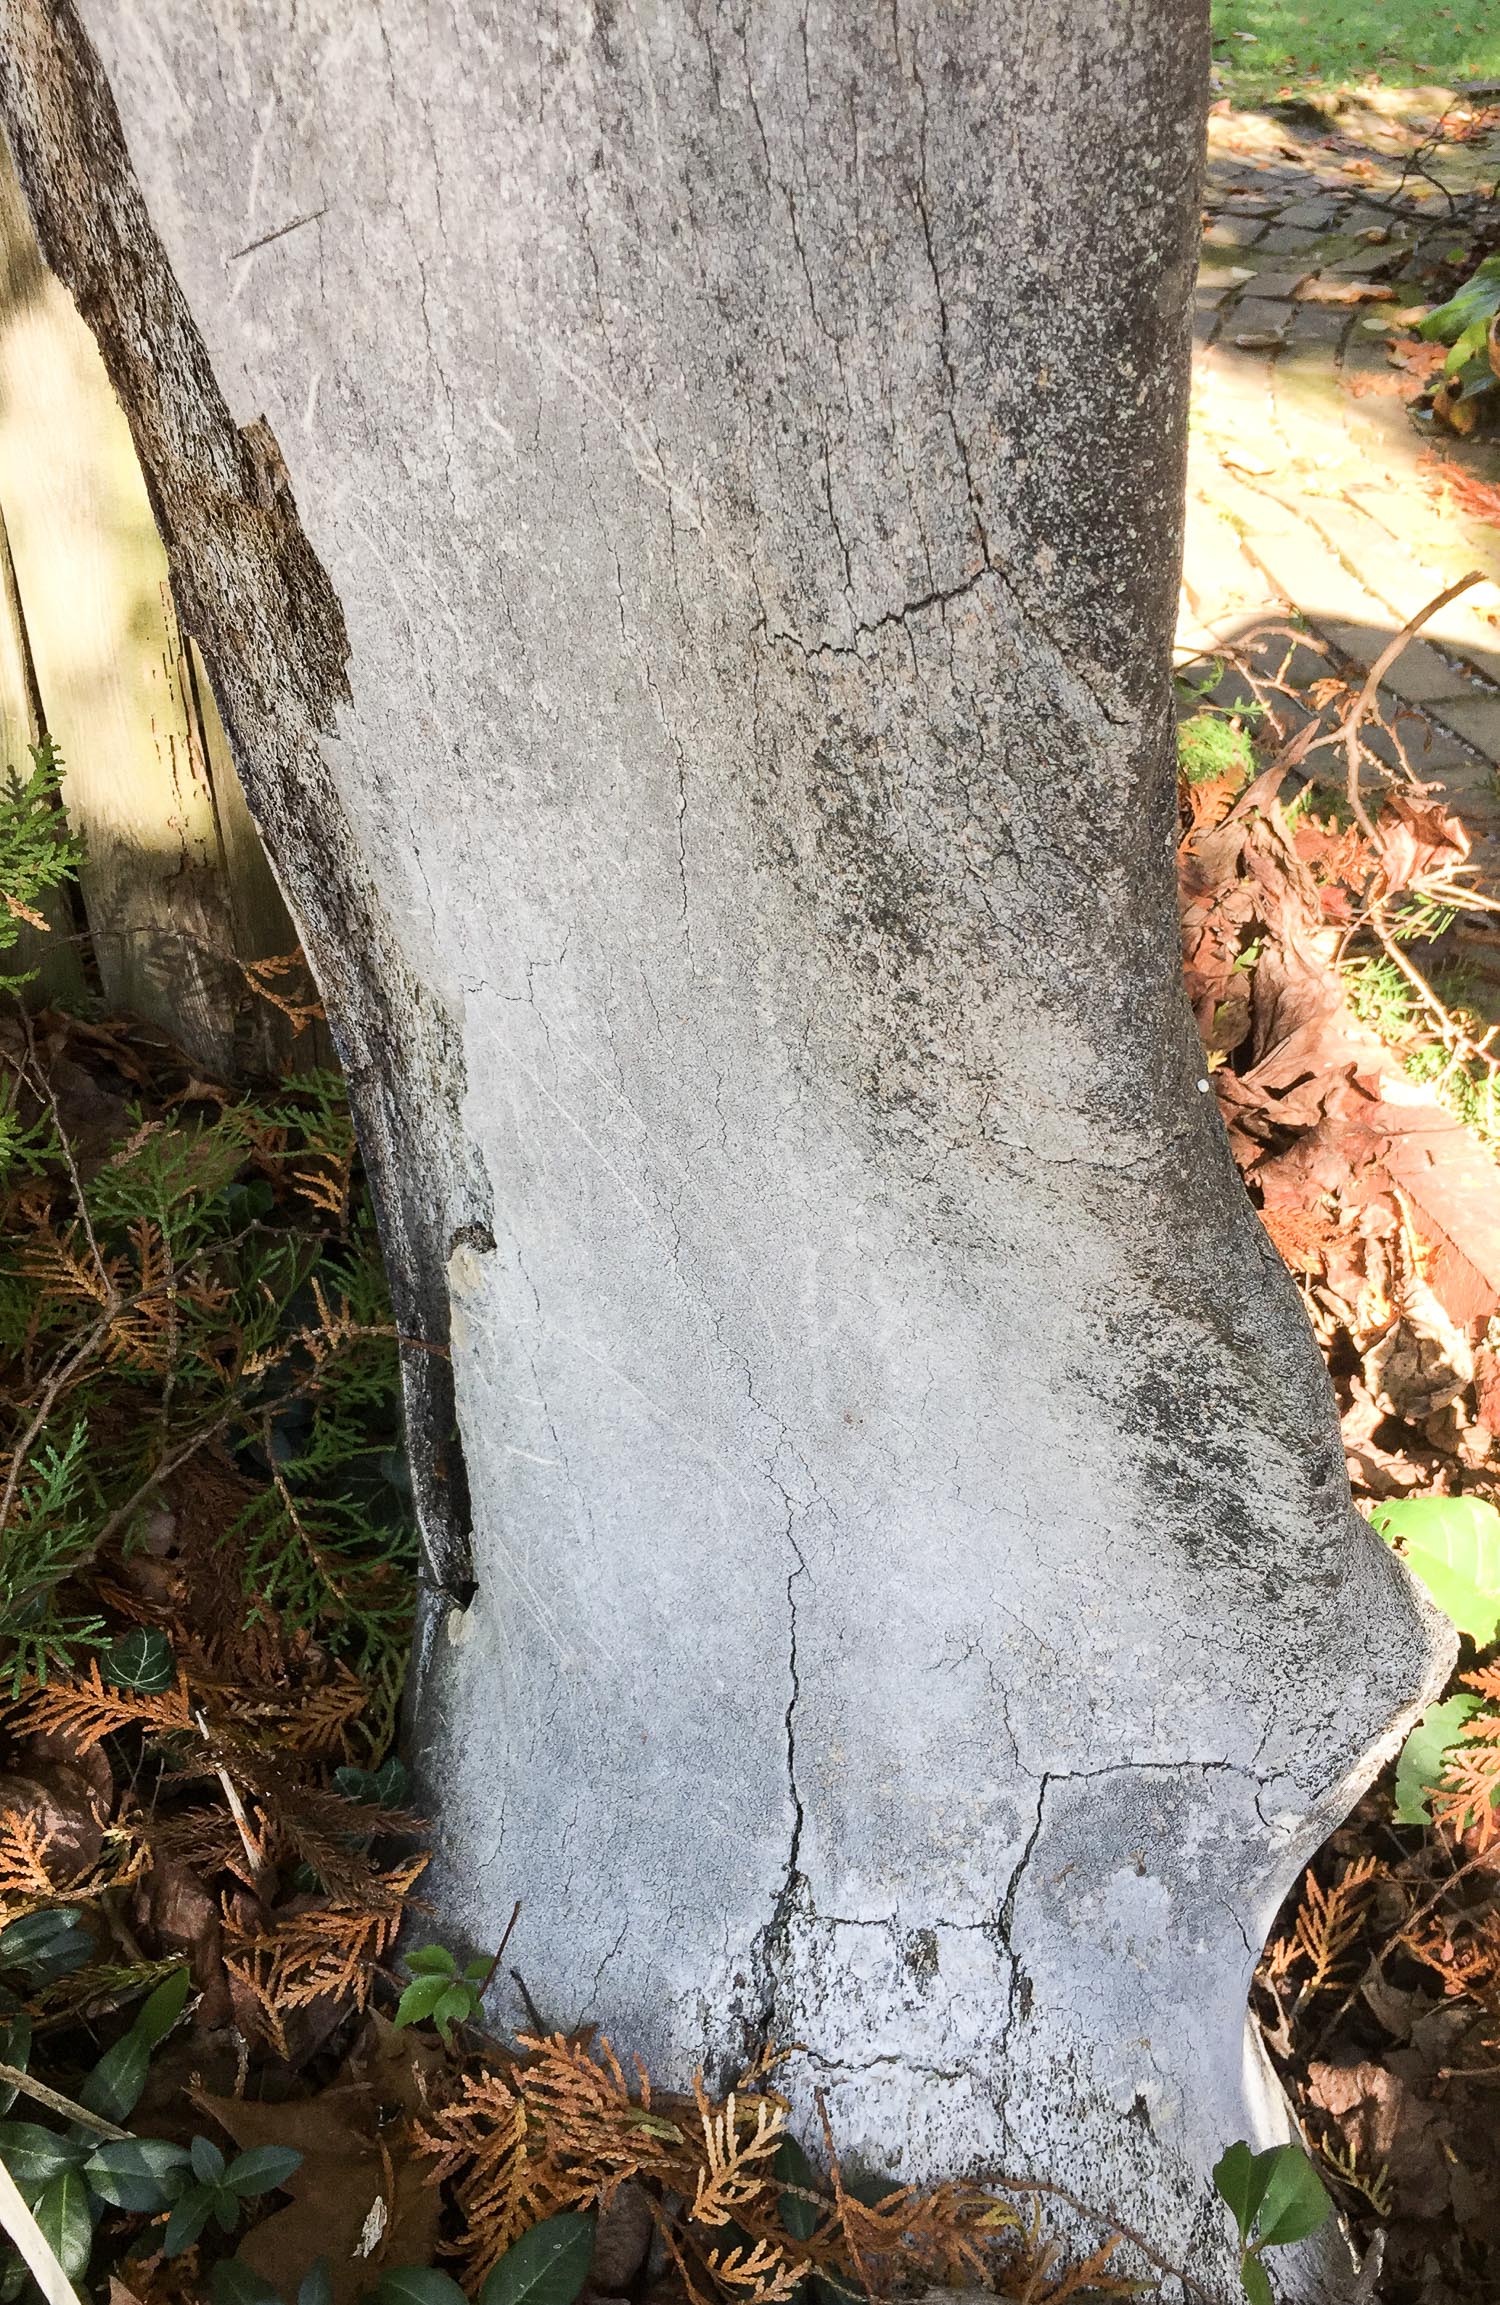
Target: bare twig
56,1384
38,1071
56,2102
1106,2217
488,1978
1378,670
254,1856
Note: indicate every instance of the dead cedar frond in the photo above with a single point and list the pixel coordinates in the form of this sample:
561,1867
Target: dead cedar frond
323,1827
206,1839
1328,1923
24,1871
327,1952
30,1877
265,978
1463,1950
763,2275
256,2012
1088,2278
729,2178
314,1721
558,2125
143,1326
1465,1801
89,1710
61,1272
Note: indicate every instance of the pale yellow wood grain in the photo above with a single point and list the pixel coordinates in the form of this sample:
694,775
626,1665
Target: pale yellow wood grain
51,954
111,665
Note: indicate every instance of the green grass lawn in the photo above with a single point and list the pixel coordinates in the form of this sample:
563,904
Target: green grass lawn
1330,43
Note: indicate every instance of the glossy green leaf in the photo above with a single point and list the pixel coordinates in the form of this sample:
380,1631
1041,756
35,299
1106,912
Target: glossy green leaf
160,2010
113,2089
417,2285
1257,2282
261,2169
232,2282
62,2212
1240,2179
431,1961
1424,1756
791,2166
15,2050
140,1659
317,2285
1295,2203
208,2161
46,1946
1453,1545
188,2218
142,2174
34,2155
421,1998
547,2266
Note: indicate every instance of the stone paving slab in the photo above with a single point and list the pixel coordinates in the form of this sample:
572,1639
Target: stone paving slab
1309,495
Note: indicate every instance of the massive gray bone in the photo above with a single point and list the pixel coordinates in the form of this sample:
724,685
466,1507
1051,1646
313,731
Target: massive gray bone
917,1606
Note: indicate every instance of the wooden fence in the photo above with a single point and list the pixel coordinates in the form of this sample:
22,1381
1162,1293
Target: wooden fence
176,890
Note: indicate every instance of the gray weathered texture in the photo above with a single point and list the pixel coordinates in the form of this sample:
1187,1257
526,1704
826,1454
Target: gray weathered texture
919,1610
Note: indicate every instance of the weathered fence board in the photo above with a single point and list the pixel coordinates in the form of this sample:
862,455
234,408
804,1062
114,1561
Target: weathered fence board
175,884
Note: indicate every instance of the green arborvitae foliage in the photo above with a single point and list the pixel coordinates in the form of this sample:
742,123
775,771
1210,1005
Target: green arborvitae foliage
209,1295
37,852
1212,744
193,1322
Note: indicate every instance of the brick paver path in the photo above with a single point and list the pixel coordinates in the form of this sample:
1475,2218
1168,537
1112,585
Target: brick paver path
1304,487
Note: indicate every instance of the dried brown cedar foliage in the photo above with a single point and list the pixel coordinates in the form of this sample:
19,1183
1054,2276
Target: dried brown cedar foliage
738,2208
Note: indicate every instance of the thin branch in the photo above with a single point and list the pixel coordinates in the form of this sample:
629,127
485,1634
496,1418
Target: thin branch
56,1384
1376,674
56,2102
254,1855
1109,2219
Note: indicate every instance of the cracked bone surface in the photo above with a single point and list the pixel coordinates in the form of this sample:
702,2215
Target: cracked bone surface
919,1611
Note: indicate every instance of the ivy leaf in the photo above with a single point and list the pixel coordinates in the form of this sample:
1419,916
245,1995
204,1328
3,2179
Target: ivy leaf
547,2266
1453,1545
62,2212
1424,1756
317,2285
140,1659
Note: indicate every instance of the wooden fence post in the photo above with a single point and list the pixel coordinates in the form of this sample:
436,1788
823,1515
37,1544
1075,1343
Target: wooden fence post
175,885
